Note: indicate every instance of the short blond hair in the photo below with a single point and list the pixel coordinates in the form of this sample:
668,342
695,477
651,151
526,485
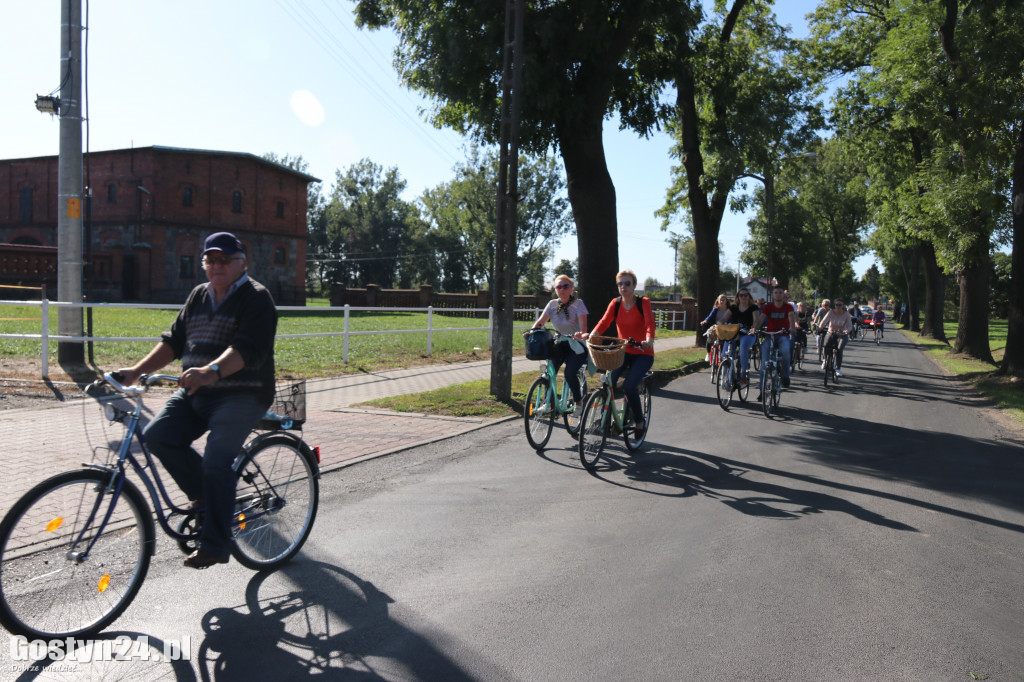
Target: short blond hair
631,274
565,278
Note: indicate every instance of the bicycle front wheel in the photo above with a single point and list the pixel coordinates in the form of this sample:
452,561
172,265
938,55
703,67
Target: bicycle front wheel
629,435
725,387
538,413
768,390
276,500
593,428
64,571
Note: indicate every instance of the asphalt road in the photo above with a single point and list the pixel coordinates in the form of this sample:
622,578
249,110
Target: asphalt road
873,531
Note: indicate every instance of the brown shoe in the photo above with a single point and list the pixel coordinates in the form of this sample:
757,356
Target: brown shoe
202,558
194,505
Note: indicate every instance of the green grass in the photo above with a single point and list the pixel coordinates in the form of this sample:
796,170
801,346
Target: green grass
473,399
304,357
1007,393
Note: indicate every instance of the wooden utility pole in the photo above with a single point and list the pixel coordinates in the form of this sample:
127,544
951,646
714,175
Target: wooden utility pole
505,276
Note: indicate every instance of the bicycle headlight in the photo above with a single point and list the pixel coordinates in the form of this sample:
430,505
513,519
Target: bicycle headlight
110,412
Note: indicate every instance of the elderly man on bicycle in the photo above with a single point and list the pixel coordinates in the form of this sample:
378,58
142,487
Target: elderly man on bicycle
778,315
224,337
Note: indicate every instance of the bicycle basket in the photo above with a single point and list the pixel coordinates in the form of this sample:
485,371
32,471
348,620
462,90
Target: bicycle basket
607,352
539,344
727,332
289,401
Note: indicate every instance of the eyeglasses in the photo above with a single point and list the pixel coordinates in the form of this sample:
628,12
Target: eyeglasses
562,286
744,295
220,260
624,284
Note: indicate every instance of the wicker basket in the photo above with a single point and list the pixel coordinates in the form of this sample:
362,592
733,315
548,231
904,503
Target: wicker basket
607,352
289,401
727,332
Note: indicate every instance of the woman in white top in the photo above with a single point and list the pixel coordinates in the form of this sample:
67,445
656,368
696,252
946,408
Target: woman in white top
568,316
838,323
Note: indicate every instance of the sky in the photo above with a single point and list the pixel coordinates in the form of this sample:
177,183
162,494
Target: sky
290,77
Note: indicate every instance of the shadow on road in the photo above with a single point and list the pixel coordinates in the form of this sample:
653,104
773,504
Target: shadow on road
314,618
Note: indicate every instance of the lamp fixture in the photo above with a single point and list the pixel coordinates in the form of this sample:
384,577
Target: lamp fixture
48,104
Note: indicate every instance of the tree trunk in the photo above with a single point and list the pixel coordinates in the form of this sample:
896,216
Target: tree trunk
972,328
1013,359
706,218
592,196
934,295
911,260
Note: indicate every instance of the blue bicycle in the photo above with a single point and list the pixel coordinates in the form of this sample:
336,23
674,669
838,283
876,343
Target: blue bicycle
545,401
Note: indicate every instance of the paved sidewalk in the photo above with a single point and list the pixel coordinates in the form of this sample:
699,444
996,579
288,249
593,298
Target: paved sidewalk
38,443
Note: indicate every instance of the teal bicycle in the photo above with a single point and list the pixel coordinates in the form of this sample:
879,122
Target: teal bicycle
546,401
602,416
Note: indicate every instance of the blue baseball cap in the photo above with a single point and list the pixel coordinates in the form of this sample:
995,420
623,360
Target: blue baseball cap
223,241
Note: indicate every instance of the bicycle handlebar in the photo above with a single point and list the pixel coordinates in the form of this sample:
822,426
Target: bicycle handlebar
145,381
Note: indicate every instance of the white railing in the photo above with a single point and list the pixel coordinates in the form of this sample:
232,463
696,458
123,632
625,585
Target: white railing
664,319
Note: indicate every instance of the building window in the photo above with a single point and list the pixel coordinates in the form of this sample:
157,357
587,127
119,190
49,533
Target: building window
186,197
280,256
111,194
280,209
185,270
236,201
25,205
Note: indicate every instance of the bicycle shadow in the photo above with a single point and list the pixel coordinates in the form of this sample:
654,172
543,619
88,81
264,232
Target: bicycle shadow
671,471
314,618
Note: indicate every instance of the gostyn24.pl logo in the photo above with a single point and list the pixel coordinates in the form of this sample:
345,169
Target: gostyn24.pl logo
121,648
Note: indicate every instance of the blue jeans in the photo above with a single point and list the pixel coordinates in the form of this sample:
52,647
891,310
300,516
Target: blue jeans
746,343
637,367
782,341
229,418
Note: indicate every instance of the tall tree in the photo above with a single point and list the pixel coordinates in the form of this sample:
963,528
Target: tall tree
584,60
740,110
371,223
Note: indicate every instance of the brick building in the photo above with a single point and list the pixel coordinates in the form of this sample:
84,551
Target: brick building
151,209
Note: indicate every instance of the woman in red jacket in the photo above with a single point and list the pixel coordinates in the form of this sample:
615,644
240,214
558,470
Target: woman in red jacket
633,318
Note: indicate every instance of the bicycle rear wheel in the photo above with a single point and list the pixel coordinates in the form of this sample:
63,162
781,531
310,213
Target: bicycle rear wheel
725,384
593,428
633,441
538,413
276,500
572,419
60,576
755,357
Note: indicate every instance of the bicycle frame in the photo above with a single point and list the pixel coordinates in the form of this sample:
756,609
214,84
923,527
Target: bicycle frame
562,395
155,487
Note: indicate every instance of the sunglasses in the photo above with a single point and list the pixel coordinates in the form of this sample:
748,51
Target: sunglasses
624,284
744,295
562,286
219,260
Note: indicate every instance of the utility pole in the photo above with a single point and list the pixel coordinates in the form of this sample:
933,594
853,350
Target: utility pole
508,198
69,184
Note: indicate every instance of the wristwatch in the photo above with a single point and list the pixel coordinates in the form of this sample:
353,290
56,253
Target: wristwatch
216,368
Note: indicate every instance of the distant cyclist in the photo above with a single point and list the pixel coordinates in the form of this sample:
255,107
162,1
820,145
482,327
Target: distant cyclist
742,313
819,330
777,316
878,321
838,324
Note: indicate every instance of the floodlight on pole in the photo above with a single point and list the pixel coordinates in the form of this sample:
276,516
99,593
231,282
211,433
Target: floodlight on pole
48,104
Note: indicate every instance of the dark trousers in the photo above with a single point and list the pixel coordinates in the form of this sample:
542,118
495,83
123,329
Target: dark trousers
573,361
635,368
229,418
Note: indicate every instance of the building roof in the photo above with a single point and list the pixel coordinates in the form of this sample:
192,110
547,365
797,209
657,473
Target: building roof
160,148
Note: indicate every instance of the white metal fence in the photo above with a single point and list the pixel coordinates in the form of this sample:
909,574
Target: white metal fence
664,319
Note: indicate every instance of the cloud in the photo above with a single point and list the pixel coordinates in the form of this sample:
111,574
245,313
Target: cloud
307,107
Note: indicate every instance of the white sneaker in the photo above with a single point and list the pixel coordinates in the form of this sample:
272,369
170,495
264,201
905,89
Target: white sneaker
839,372
823,364
707,358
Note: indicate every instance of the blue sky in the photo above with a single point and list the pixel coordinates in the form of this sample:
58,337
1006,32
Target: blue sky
287,76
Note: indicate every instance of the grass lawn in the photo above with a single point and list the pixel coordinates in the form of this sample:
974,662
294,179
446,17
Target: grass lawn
472,399
1006,392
